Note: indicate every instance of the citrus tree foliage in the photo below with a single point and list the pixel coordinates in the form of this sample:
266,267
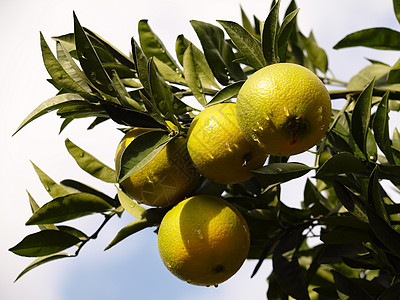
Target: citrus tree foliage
343,203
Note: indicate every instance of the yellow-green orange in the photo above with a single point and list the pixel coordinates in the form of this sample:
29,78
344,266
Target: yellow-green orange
166,179
218,148
284,108
203,240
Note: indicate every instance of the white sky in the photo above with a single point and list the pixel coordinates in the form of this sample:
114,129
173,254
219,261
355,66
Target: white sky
132,268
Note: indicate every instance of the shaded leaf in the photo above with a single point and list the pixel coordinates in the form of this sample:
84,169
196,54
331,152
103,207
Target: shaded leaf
130,117
377,38
90,164
68,207
128,230
161,93
44,242
341,163
374,195
141,151
248,45
391,293
361,116
280,172
344,236
384,232
381,128
348,287
42,260
130,205
350,201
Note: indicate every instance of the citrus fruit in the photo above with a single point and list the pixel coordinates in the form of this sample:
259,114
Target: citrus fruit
166,179
284,108
203,240
218,148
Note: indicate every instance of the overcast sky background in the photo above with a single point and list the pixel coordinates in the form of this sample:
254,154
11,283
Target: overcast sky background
132,269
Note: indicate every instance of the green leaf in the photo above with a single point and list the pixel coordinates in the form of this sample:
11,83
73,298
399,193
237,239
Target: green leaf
396,7
141,63
348,287
130,205
228,92
191,72
34,208
280,172
381,128
141,151
68,207
49,105
269,35
204,71
153,46
350,201
117,54
167,73
247,44
377,38
246,22
284,33
55,190
361,117
73,231
394,73
379,72
122,93
78,186
128,230
384,232
56,71
44,242
90,164
90,61
218,52
316,54
42,260
66,61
